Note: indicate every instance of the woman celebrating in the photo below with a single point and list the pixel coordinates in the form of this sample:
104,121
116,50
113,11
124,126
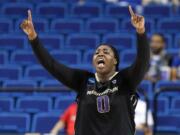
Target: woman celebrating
106,99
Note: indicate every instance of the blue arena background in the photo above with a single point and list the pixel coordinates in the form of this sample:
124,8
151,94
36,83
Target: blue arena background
31,100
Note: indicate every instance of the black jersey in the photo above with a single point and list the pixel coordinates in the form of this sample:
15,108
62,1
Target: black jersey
103,108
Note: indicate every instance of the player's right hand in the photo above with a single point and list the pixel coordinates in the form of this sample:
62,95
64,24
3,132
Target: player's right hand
28,27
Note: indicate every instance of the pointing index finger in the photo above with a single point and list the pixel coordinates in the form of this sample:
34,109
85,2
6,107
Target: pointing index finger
131,11
29,15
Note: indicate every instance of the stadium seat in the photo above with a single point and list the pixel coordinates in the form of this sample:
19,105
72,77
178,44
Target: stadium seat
34,104
12,42
67,57
16,10
157,11
50,83
115,10
54,85
177,41
66,26
40,24
102,25
51,42
173,52
5,94
171,93
126,25
62,103
120,41
134,3
77,1
65,1
128,56
162,105
19,84
86,10
44,122
171,84
147,88
88,56
5,1
6,26
18,88
23,57
175,106
178,11
14,122
123,65
52,10
168,123
6,104
37,72
82,41
169,25
34,1
3,57
87,67
10,72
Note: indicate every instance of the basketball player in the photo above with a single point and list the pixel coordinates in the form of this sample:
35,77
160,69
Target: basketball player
106,99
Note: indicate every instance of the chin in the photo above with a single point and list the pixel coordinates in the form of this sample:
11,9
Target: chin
101,71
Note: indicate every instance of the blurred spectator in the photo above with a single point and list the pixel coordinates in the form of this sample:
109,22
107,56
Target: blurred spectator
67,121
160,61
140,119
176,68
164,2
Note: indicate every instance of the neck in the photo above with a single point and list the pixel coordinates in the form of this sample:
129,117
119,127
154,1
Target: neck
105,77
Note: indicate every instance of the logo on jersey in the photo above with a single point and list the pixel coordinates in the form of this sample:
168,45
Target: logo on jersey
91,84
114,81
93,92
91,81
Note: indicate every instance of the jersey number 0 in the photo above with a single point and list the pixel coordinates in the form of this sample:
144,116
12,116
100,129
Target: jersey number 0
103,105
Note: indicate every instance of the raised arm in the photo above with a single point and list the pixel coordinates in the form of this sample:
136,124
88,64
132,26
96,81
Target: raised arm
135,73
72,78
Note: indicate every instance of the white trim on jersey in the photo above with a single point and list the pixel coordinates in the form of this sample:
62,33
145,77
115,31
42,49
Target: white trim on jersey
109,77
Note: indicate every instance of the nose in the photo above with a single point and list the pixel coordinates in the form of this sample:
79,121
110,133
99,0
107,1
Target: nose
101,54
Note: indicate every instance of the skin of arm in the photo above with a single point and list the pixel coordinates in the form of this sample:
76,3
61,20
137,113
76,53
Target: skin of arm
173,74
147,130
59,126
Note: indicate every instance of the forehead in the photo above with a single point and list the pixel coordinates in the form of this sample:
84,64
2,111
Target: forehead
103,47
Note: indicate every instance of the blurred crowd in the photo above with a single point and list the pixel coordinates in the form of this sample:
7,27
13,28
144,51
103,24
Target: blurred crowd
146,2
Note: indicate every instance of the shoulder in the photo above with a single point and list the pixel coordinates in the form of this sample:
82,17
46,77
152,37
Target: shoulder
123,72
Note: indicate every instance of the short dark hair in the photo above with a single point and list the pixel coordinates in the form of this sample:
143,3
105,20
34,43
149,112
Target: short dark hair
116,54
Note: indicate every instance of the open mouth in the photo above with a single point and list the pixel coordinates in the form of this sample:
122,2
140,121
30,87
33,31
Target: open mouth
100,63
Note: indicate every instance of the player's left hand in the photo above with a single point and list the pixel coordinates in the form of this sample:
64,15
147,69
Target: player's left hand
137,21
